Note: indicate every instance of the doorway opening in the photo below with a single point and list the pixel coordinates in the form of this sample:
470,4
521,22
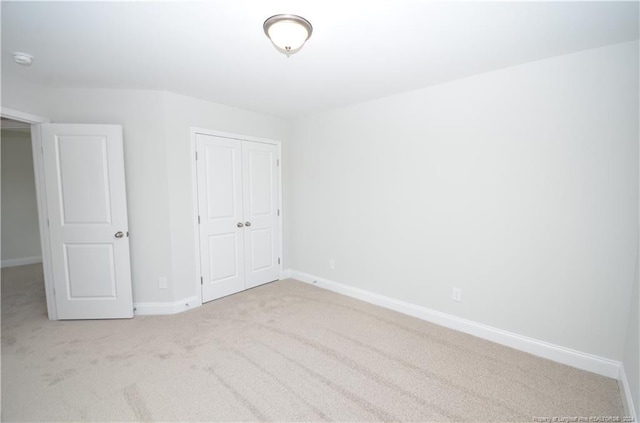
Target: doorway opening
21,249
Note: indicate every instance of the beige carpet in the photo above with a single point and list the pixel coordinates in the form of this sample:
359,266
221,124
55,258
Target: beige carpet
286,351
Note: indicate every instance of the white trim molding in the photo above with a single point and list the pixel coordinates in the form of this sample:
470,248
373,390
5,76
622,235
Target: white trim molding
20,116
194,217
589,362
173,307
627,396
21,261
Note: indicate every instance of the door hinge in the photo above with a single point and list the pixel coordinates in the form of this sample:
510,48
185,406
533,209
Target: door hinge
198,220
278,162
201,280
278,212
48,222
196,155
278,260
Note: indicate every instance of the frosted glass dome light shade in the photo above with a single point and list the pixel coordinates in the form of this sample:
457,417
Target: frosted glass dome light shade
288,33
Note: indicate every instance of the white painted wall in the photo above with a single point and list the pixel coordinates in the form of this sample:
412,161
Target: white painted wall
519,186
24,96
19,215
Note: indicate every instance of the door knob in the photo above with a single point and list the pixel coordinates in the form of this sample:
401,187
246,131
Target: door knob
239,224
247,223
119,234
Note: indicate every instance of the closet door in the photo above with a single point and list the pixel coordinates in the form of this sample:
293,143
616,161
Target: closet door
219,170
260,205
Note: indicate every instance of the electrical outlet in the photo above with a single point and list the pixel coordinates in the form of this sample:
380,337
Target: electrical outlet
457,294
332,264
162,282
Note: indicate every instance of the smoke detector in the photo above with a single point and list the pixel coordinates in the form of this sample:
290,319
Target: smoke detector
23,59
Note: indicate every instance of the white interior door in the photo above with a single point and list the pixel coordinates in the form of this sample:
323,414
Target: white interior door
260,201
219,169
88,227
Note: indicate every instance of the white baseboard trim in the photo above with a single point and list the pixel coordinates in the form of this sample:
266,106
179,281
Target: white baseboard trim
286,274
627,397
150,309
589,362
21,261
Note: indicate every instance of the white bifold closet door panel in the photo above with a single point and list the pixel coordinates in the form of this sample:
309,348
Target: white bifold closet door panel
88,228
219,171
260,194
238,194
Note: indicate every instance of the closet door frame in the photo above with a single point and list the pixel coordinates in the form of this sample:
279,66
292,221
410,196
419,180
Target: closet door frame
194,185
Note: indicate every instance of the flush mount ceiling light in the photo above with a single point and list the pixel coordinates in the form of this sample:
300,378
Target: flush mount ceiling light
23,59
288,33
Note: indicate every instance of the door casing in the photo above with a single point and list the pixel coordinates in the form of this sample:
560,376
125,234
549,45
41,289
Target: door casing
194,185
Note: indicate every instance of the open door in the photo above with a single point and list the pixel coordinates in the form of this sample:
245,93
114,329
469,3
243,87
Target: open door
88,227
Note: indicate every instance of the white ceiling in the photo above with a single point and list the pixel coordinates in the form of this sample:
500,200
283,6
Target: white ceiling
359,51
